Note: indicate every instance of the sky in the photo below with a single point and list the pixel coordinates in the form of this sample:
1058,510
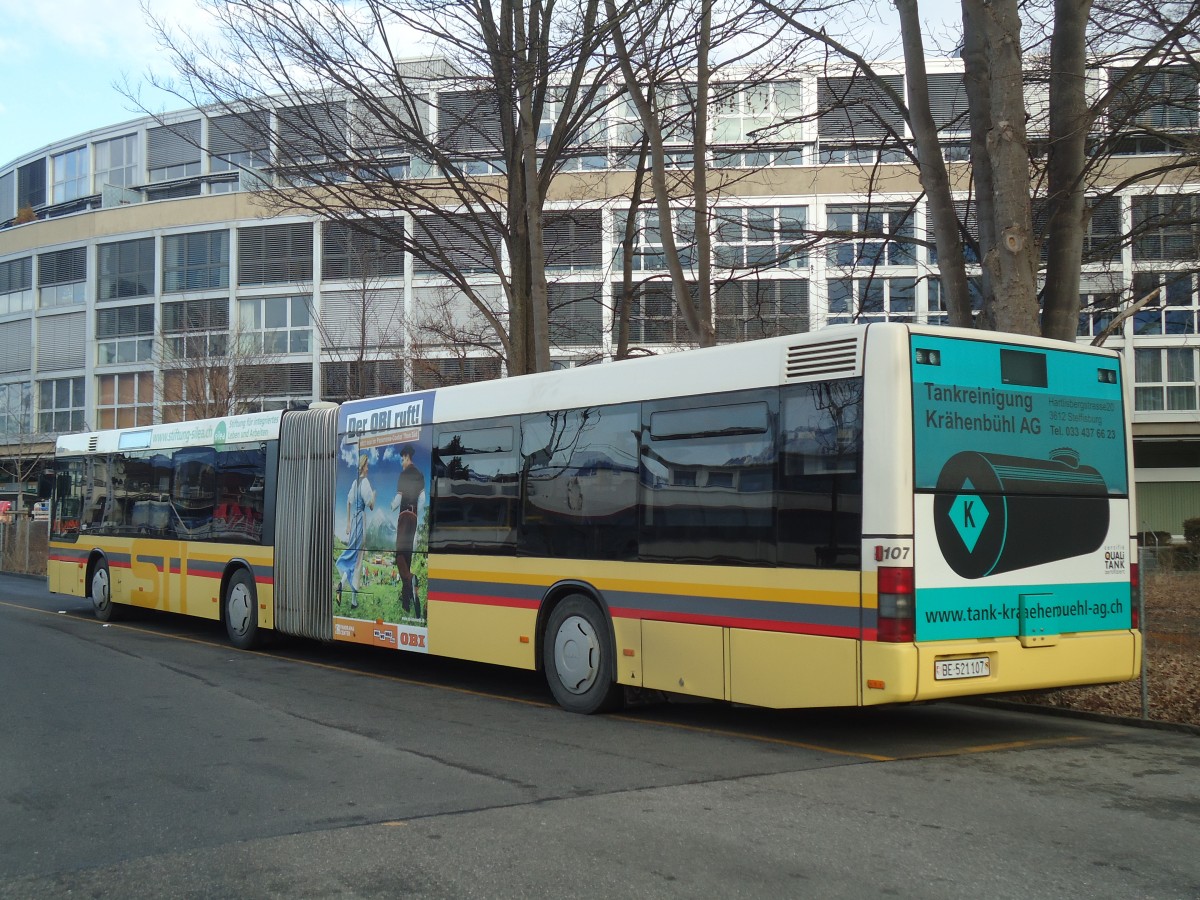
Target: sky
60,62
60,59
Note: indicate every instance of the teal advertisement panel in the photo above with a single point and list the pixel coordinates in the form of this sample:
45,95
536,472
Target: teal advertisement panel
1039,421
1010,611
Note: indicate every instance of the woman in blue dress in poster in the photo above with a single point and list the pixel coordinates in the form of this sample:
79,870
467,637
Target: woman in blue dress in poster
350,563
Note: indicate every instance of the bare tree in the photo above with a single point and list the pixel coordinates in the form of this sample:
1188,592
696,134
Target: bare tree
674,59
208,368
25,451
1032,197
314,92
361,324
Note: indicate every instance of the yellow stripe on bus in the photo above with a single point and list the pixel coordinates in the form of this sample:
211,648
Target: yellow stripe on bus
772,585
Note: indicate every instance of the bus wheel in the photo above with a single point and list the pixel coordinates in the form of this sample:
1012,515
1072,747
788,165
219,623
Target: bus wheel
101,593
241,611
577,657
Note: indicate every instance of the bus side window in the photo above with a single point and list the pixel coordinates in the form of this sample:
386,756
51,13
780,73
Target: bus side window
193,491
820,502
708,469
476,483
581,483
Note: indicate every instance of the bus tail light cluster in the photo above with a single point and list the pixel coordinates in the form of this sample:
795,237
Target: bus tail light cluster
1135,584
896,619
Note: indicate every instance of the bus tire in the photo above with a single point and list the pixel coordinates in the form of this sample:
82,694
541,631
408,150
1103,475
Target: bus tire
100,590
577,656
240,608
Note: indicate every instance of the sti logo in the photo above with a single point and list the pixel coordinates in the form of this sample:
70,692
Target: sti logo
385,635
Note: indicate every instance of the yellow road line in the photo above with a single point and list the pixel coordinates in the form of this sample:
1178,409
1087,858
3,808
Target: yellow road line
992,748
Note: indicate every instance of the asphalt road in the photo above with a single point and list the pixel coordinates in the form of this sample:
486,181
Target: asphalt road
147,758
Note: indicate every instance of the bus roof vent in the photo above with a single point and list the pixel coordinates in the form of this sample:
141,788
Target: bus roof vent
832,359
93,443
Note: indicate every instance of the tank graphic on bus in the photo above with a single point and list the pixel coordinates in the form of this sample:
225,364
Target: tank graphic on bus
995,513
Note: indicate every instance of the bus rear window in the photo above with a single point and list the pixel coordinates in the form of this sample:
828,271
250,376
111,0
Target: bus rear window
1023,367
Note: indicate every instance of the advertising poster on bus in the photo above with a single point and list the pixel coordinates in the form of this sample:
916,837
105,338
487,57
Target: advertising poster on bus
381,522
1021,475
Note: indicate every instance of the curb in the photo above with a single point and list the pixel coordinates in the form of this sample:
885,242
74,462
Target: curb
1087,715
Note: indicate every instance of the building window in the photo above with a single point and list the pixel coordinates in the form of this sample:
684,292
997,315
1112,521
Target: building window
195,329
16,285
756,308
60,405
873,236
239,141
31,184
576,314
455,244
353,379
653,317
275,254
432,373
199,393
125,400
126,269
16,413
1165,379
125,335
1173,310
265,387
173,151
117,162
1154,99
62,277
1165,228
648,252
375,250
758,159
1097,311
272,325
753,113
572,241
871,299
937,312
70,175
196,262
760,237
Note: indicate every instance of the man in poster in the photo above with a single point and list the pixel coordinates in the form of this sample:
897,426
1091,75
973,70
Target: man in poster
410,502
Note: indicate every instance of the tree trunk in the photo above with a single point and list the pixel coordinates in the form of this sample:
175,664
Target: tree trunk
977,79
1070,121
706,336
934,179
1011,260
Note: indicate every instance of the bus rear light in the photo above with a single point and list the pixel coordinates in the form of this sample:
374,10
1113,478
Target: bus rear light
896,619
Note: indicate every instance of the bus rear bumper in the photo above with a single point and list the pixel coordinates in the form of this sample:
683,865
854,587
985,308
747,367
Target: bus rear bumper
900,673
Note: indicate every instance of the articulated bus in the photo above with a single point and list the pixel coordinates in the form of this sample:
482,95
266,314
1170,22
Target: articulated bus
863,515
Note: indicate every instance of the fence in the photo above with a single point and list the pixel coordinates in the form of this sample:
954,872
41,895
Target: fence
23,546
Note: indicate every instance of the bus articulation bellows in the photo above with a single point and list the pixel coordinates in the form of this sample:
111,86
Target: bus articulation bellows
862,515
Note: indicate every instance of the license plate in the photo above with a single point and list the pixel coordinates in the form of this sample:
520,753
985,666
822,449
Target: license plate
975,667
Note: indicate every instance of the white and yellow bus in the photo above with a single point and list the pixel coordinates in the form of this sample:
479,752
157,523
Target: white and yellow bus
863,515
